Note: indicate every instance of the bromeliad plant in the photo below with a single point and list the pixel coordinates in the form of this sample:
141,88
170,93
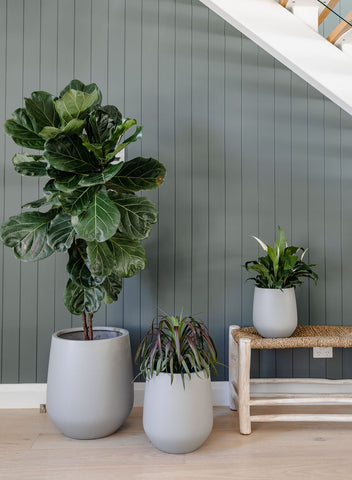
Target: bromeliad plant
281,267
89,206
176,345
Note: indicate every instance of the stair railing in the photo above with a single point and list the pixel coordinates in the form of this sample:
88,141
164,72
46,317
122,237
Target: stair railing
341,36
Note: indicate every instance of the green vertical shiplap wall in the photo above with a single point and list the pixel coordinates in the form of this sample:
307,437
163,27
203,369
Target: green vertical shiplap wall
247,144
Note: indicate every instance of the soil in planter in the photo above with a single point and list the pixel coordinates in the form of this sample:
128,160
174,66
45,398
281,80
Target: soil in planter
97,335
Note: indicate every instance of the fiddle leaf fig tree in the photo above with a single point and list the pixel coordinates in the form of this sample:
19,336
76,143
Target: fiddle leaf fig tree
89,207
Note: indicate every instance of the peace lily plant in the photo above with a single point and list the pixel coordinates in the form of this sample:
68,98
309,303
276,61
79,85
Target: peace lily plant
89,206
282,267
277,275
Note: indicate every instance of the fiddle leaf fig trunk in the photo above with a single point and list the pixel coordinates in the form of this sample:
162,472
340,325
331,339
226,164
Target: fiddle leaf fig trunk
89,207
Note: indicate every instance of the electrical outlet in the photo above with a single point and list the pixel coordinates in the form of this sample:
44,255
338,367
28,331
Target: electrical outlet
322,352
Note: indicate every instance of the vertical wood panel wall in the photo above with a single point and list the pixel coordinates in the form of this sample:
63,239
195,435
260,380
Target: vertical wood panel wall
247,144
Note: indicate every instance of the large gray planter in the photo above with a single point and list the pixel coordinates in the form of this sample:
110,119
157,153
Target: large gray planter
178,419
90,383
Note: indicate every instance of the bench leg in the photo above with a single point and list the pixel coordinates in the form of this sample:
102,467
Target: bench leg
233,369
244,385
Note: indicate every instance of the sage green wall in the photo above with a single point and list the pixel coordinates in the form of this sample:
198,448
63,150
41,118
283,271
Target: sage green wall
248,146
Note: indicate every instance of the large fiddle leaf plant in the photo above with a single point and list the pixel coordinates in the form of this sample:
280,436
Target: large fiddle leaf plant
89,206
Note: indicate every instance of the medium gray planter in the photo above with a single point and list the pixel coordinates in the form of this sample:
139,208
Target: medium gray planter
177,419
90,383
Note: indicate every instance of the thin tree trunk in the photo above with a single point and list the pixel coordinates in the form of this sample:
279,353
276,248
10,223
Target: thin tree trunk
85,329
90,325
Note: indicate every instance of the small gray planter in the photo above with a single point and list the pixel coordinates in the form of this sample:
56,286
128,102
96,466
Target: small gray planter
275,312
90,383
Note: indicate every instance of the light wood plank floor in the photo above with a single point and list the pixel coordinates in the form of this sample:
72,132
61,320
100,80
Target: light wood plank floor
32,448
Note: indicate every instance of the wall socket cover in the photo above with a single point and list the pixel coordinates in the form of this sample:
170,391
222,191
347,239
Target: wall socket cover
322,352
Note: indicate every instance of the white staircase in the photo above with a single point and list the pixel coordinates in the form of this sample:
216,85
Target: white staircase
293,40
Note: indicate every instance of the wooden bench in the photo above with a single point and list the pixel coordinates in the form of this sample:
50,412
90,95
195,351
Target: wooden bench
243,340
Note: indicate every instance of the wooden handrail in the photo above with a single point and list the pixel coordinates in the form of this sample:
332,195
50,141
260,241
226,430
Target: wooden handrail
326,11
283,2
341,28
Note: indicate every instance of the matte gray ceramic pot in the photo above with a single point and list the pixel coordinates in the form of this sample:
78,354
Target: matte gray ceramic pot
178,419
275,312
90,383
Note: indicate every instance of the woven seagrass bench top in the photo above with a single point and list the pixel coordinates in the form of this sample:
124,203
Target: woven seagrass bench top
305,336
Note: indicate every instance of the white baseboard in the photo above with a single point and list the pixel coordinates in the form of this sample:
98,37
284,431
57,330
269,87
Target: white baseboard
22,395
31,395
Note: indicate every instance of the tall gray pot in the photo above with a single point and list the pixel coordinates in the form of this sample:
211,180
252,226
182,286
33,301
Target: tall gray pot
90,383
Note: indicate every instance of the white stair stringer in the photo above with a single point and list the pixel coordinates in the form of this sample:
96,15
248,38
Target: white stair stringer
293,43
345,43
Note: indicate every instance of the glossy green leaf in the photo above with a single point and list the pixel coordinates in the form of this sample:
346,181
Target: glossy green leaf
23,130
75,104
280,242
100,221
36,203
139,174
27,235
112,286
133,138
78,200
101,258
78,299
64,181
57,174
129,255
77,266
49,188
68,184
120,254
65,152
42,108
102,123
105,149
97,150
73,126
102,177
60,233
49,132
271,253
137,214
29,165
78,85
51,193
110,144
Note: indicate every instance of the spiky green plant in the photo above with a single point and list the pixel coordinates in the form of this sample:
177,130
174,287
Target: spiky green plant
176,345
281,267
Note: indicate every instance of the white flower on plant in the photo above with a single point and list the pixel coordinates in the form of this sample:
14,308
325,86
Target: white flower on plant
262,244
303,254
